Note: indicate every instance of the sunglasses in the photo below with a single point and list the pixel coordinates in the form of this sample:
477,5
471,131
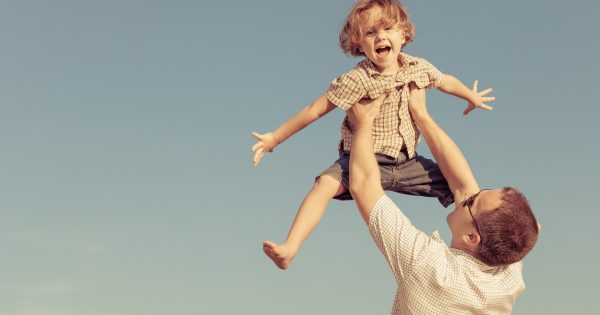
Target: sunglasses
468,203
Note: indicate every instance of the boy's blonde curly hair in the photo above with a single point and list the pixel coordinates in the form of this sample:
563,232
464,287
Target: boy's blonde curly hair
392,12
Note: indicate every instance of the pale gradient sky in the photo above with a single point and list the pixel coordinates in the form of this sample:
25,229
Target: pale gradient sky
126,180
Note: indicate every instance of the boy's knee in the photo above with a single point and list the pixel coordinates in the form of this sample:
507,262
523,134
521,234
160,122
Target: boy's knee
326,180
329,184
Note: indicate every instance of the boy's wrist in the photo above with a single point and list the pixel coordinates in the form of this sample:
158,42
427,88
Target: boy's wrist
276,138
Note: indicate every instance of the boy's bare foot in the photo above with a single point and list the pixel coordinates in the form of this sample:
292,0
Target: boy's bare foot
281,255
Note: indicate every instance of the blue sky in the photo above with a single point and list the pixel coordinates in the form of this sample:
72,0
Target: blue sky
127,186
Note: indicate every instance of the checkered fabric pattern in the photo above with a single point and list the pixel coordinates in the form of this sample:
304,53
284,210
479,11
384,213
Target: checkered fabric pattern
435,279
393,127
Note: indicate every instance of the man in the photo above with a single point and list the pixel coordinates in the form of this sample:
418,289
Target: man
492,230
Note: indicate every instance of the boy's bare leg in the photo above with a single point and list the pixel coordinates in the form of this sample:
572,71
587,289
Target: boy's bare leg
308,217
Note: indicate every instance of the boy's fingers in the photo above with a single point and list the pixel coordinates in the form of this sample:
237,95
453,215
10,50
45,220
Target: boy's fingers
484,106
256,146
256,135
488,99
485,92
475,85
257,157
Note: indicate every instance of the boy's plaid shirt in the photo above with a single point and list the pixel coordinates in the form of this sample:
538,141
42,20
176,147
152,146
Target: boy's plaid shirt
393,127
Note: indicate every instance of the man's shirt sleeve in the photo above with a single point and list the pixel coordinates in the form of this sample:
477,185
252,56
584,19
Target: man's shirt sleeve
400,242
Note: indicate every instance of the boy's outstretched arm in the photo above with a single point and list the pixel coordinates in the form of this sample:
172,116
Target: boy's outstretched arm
453,86
450,159
268,141
365,182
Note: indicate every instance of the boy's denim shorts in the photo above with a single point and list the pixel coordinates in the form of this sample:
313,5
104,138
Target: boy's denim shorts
418,176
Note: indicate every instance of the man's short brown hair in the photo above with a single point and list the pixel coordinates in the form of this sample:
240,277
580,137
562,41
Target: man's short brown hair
508,232
393,12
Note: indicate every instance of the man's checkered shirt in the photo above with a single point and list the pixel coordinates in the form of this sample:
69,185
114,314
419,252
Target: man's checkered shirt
393,127
435,279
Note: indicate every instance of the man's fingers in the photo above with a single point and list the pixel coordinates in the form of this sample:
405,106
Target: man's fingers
488,99
486,107
381,99
475,83
257,135
256,146
366,109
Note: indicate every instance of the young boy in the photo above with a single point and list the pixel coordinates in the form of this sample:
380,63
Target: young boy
378,30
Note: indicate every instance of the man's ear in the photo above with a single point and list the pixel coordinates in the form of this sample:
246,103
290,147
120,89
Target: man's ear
472,239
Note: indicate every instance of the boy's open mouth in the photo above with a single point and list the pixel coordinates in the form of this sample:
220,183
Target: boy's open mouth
383,51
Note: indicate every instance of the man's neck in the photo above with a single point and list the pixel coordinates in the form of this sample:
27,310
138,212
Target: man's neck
469,249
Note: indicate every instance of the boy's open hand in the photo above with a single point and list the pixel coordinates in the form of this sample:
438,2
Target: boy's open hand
480,99
266,143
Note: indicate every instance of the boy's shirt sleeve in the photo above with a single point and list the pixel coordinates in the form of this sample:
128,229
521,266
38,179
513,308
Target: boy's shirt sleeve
426,75
346,90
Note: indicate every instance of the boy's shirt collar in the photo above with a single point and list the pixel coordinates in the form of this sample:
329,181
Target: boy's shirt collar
406,60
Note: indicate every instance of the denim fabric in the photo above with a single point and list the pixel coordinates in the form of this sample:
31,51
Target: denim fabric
418,176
